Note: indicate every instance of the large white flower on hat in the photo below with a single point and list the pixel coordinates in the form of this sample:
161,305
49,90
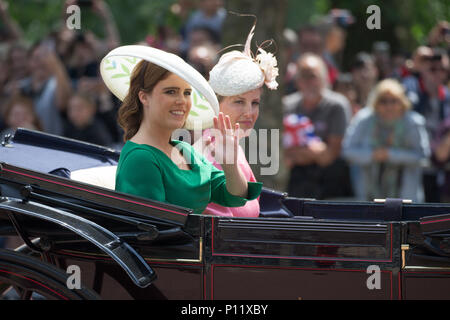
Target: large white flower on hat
268,62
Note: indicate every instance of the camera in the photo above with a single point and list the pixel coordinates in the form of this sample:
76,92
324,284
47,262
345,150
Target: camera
445,31
85,3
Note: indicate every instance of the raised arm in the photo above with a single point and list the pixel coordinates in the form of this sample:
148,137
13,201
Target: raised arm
64,87
225,151
11,26
101,8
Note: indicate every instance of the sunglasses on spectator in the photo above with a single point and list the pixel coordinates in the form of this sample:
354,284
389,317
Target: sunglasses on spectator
437,69
426,58
308,75
388,101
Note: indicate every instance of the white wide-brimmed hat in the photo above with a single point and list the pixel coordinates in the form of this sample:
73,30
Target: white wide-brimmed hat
117,67
239,72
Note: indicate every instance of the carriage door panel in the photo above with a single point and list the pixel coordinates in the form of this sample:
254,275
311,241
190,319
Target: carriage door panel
303,259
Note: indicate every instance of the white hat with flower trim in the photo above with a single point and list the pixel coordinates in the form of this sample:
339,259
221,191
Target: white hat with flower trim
117,67
238,72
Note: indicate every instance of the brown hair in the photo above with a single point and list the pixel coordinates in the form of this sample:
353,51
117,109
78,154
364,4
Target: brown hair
145,76
27,103
86,97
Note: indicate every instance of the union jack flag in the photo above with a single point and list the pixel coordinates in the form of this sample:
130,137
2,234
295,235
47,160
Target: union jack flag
298,131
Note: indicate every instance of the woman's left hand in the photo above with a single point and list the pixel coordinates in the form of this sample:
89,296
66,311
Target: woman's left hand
224,142
224,148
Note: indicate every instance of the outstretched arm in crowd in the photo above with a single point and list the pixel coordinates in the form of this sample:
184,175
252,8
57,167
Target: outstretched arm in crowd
13,29
101,8
57,69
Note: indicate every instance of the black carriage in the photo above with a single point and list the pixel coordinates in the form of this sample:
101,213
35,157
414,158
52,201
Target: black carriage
127,247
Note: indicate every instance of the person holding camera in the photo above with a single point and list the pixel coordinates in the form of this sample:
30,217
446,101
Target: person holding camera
431,98
103,11
48,86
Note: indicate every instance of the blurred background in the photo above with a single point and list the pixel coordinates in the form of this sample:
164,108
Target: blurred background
49,77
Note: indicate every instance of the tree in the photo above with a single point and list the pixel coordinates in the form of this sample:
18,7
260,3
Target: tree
405,24
270,24
135,19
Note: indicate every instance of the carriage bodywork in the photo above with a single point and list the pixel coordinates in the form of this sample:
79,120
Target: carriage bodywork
127,247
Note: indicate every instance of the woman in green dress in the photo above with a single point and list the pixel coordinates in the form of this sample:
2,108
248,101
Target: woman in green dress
152,165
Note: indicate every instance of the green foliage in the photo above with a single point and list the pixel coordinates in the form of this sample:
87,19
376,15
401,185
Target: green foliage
36,18
405,24
305,11
135,19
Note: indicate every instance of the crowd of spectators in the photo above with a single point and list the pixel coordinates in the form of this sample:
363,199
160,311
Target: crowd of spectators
54,85
379,129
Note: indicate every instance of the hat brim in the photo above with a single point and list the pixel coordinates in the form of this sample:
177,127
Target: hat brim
117,67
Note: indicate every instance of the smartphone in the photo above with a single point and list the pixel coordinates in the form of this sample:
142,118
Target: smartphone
49,44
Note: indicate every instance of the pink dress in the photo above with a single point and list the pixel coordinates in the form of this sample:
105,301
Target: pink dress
251,208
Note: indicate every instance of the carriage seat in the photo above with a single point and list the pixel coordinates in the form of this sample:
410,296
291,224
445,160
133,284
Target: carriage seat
104,177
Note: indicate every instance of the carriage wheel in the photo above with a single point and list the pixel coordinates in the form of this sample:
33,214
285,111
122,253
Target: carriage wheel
24,277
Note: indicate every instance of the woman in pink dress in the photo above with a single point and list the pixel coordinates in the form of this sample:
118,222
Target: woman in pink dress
238,80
